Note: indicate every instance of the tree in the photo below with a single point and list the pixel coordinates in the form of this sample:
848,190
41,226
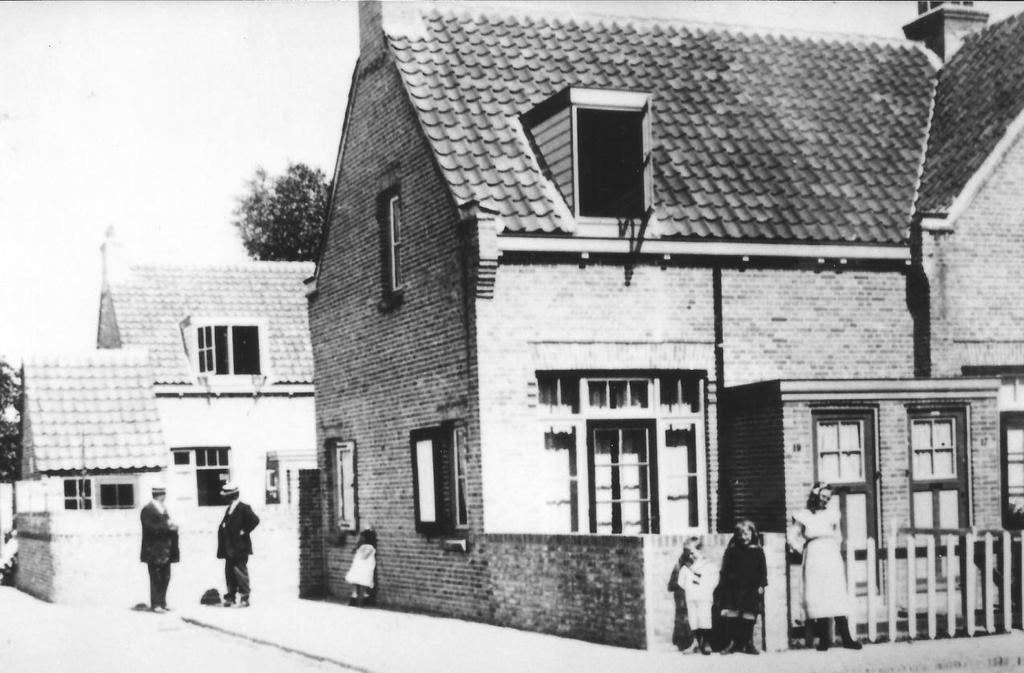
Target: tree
280,218
10,422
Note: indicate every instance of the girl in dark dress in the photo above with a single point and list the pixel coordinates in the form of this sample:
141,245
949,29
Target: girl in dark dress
740,590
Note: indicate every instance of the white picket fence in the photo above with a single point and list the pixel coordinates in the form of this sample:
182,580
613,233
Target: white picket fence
928,583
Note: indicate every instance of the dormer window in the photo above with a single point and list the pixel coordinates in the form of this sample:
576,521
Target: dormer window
595,145
228,349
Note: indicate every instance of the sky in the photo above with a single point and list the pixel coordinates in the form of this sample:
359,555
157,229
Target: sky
151,117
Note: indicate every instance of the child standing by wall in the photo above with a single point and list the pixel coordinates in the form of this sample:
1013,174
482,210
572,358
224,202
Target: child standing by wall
698,577
363,571
740,591
682,637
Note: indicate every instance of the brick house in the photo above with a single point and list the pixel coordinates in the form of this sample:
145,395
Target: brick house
967,228
202,374
592,286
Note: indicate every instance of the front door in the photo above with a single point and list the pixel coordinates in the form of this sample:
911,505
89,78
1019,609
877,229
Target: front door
622,461
1013,469
938,468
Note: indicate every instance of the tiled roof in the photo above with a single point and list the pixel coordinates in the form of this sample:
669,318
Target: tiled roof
97,408
755,137
151,302
980,92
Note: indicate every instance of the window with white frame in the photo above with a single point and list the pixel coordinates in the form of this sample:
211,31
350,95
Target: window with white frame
394,242
345,484
633,443
78,493
933,448
439,462
459,481
938,468
840,447
228,350
212,469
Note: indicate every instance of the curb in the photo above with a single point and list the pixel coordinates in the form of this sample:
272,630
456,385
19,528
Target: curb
284,648
972,662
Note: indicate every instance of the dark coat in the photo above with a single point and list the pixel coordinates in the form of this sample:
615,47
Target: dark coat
233,535
744,571
159,542
682,635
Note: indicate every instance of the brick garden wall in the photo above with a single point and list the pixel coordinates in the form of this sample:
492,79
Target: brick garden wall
660,555
92,557
589,587
35,574
311,536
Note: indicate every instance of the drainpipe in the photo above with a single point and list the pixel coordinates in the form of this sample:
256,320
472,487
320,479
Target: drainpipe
724,460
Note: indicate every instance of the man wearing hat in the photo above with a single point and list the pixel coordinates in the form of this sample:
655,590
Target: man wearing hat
159,547
235,546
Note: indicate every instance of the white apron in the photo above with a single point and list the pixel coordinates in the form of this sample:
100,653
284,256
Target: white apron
824,574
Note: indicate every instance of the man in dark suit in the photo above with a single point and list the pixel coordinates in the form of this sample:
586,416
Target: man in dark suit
159,548
235,546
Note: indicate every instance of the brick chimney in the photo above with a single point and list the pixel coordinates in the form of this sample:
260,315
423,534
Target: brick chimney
396,17
942,26
115,270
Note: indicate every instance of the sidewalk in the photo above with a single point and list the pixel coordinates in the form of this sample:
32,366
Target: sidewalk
381,641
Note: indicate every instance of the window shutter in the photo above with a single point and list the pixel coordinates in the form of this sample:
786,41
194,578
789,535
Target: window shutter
444,469
345,485
433,479
648,166
220,344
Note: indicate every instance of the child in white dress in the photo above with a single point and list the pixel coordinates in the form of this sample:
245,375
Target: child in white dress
698,577
363,570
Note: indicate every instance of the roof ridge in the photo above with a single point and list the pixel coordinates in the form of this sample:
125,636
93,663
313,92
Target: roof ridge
252,264
532,13
992,27
125,355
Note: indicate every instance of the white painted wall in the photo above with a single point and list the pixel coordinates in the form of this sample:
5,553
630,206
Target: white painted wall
251,426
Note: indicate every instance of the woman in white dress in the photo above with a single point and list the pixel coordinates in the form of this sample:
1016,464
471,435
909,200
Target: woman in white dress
816,532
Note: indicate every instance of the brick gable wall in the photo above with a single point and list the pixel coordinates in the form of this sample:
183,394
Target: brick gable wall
976,286
383,371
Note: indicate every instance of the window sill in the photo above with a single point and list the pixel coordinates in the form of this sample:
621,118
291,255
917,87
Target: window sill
233,382
456,545
391,300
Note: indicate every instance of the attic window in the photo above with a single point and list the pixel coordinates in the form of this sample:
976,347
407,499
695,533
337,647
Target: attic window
610,162
228,349
595,145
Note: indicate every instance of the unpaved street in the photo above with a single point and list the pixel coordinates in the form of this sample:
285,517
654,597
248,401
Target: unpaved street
38,637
